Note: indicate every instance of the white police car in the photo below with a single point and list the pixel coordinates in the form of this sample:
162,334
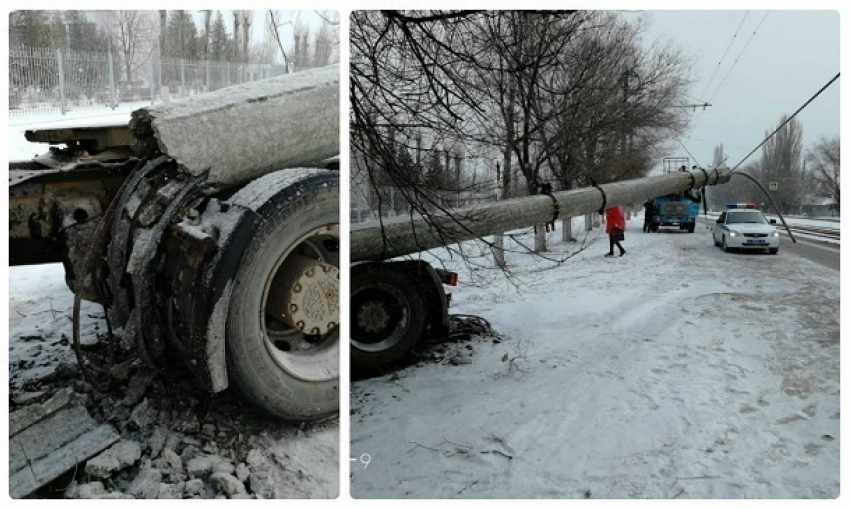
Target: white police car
741,226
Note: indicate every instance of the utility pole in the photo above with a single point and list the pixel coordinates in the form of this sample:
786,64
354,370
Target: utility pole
404,235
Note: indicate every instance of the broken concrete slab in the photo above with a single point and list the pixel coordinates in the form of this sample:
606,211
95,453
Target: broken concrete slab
50,441
29,415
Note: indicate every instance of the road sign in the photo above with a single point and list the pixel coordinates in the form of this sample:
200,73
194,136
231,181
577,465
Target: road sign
773,186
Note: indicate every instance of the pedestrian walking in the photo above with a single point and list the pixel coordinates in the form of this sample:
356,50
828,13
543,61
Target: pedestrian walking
648,212
615,227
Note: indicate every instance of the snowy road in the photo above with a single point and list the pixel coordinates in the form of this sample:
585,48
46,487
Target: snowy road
821,250
675,371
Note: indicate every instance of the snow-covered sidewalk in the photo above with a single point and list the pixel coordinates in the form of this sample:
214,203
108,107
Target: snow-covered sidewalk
675,371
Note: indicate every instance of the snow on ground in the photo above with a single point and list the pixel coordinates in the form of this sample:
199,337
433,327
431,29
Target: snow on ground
675,371
169,417
820,222
21,150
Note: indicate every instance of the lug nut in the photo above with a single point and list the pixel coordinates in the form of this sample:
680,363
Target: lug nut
300,325
314,330
296,288
309,273
293,308
331,325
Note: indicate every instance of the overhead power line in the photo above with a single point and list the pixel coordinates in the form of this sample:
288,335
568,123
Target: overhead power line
746,45
738,57
732,40
812,98
719,64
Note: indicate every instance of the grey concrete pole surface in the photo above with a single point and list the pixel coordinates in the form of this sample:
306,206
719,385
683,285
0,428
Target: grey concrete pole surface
241,132
400,236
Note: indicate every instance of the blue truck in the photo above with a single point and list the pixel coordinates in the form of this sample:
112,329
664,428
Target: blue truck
676,210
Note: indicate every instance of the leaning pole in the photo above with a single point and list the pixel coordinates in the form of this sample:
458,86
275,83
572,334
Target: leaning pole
381,240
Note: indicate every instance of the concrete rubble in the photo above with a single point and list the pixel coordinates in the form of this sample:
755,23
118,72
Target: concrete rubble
170,440
46,440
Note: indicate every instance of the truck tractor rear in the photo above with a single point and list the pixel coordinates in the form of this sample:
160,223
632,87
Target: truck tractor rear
209,230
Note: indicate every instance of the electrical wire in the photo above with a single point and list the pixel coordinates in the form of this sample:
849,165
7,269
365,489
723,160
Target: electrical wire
812,98
689,152
719,64
738,57
711,80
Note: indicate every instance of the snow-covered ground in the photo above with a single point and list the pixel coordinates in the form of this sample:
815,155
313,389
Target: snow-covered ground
675,371
20,149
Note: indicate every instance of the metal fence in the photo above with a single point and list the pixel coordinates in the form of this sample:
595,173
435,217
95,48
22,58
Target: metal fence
367,202
49,80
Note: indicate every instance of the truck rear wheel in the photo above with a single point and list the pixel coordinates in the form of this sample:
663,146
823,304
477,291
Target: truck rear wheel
282,332
388,317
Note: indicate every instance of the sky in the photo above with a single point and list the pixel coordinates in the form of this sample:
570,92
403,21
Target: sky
790,57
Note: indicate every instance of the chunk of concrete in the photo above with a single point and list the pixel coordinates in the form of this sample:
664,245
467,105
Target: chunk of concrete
118,457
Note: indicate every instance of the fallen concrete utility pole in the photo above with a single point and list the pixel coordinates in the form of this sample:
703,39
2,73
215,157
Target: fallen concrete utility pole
403,235
242,132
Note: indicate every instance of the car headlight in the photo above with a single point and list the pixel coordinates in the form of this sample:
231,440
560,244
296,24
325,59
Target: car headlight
775,234
734,234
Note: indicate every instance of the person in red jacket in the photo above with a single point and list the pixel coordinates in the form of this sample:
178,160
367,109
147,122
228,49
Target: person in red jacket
615,227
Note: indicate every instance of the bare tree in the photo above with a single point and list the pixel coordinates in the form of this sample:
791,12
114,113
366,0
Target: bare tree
825,166
275,24
782,162
134,34
163,23
537,91
207,35
324,44
237,23
246,31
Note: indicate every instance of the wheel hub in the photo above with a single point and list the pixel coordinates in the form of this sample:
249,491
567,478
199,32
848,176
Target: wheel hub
306,295
373,317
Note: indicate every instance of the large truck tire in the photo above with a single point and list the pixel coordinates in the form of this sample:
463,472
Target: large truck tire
388,317
281,358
